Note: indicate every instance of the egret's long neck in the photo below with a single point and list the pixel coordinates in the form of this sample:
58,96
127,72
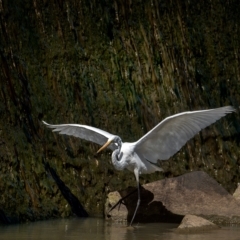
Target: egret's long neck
116,159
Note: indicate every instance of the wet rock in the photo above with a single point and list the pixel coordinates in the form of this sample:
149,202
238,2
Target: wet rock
119,213
236,194
192,223
3,218
73,201
148,210
195,193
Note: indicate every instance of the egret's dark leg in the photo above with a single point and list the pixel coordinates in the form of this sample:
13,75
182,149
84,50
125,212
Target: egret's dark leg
138,202
121,201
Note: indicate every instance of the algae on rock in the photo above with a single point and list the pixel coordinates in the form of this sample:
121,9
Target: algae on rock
119,66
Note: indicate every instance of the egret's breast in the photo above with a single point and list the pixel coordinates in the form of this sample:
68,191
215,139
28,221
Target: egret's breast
128,157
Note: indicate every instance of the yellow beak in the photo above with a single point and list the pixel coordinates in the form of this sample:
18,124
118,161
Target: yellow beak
105,145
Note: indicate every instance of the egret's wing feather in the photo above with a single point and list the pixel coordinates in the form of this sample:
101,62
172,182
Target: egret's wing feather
168,137
89,133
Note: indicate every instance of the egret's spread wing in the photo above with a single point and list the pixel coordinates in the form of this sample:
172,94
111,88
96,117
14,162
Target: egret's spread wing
89,133
168,137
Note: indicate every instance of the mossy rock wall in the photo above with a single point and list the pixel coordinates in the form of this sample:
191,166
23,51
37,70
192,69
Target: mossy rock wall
122,66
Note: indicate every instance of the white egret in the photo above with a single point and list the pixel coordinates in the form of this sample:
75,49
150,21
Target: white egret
160,143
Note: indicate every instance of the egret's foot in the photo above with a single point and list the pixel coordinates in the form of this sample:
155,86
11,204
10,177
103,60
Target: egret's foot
115,205
130,227
121,201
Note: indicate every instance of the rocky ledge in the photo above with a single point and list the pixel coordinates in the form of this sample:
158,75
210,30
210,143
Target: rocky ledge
169,200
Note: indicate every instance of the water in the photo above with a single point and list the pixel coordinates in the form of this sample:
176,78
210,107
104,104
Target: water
98,229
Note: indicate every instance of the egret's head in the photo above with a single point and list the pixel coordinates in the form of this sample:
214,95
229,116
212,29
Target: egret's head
117,140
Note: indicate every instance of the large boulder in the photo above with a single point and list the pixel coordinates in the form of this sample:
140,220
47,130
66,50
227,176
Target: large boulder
170,199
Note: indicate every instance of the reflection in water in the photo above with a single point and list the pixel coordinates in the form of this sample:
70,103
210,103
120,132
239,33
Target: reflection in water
99,229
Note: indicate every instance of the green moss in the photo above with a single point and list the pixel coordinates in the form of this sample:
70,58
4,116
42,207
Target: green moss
119,67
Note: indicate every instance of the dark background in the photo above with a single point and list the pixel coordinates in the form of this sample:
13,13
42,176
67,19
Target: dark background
121,66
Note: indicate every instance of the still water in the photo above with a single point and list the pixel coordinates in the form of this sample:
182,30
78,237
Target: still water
98,229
